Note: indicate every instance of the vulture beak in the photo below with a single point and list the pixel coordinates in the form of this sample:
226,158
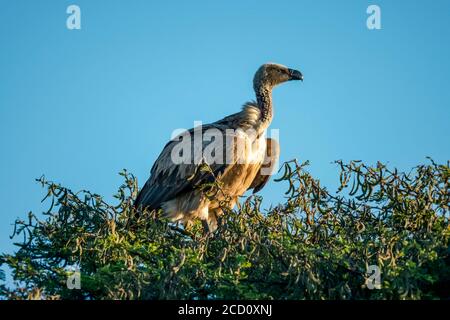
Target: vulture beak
295,75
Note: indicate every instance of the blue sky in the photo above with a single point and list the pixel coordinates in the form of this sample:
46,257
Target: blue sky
80,105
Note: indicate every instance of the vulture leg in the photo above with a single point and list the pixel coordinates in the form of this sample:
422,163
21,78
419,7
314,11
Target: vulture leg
210,223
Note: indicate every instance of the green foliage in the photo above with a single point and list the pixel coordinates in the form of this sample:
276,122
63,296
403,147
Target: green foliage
317,245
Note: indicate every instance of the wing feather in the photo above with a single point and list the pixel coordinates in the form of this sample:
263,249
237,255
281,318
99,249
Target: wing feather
168,179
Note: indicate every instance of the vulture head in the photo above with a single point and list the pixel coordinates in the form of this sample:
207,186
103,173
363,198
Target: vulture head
271,74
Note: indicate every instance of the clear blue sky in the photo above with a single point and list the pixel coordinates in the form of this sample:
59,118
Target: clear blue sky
78,106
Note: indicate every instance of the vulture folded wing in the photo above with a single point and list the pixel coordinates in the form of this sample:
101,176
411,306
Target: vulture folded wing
266,170
170,179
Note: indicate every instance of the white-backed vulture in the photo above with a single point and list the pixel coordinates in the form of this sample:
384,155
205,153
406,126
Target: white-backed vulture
235,149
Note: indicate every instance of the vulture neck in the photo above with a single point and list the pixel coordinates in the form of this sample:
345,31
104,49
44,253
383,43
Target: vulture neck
264,101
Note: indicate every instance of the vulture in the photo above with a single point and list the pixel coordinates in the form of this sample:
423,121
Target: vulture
235,149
